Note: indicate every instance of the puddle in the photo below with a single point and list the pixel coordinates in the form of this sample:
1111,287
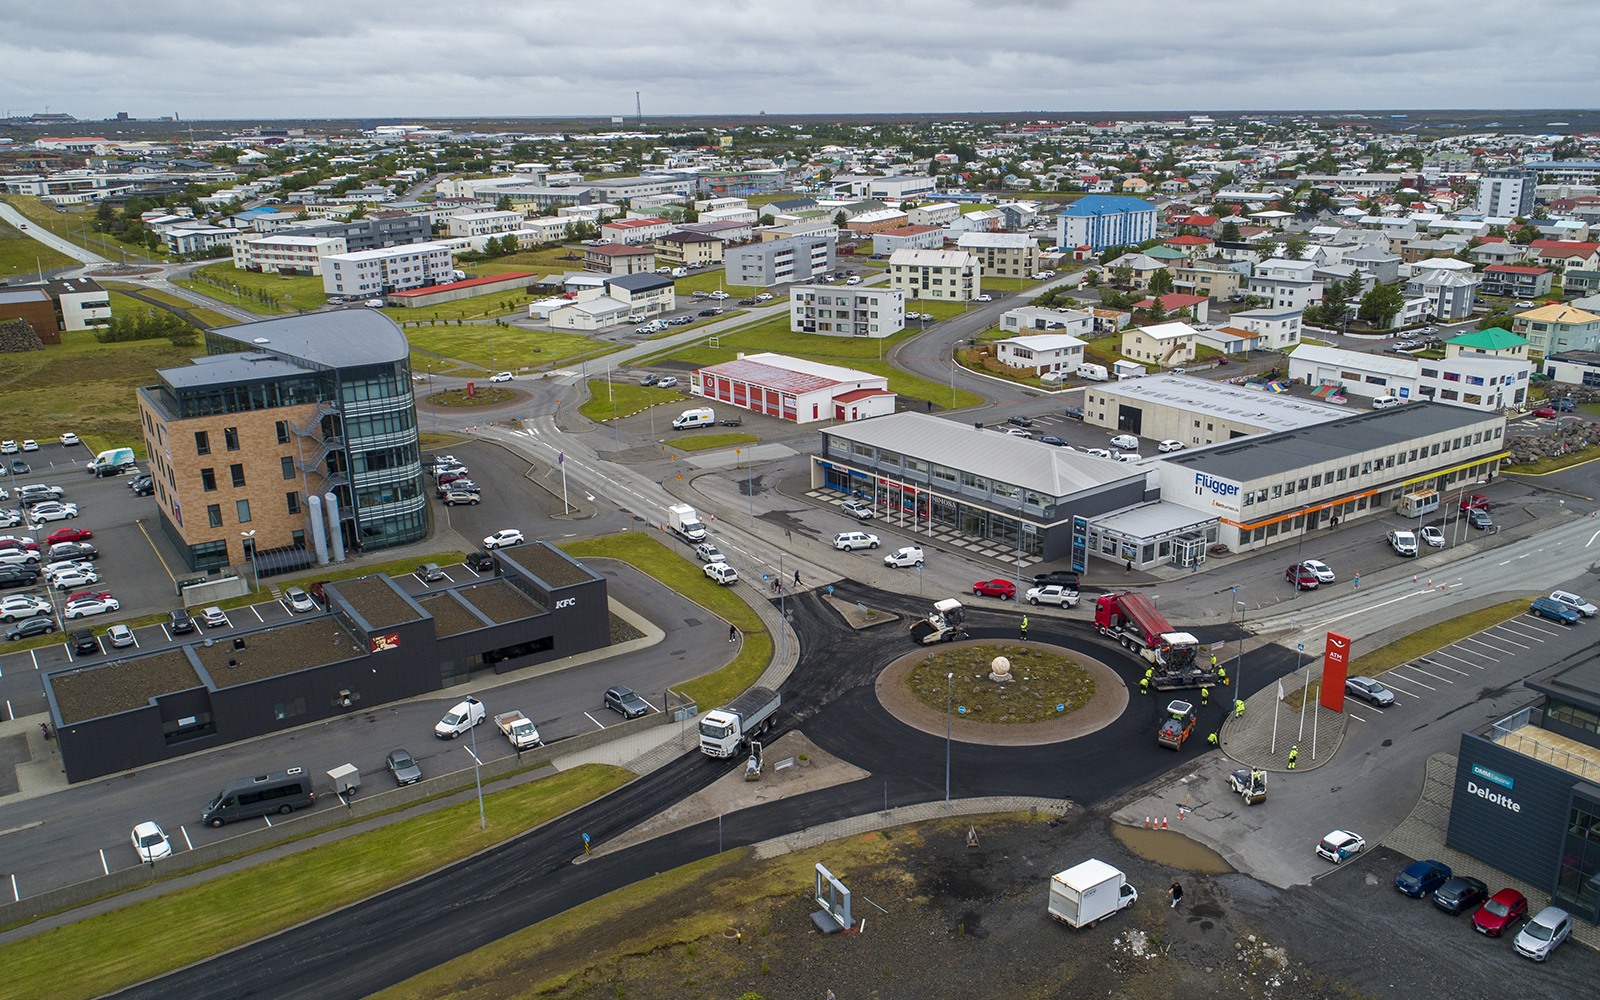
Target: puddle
1169,847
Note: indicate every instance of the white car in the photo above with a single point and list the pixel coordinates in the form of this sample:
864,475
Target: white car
1126,456
1125,442
667,382
30,445
858,509
1403,542
1018,432
1433,536
1540,936
1170,444
909,555
64,565
10,518
92,606
764,297
1055,594
503,538
20,606
719,295
151,843
850,540
1319,569
68,578
709,553
1574,602
68,439
1098,453
985,298
8,447
502,377
53,512
120,636
299,601
1339,845
854,279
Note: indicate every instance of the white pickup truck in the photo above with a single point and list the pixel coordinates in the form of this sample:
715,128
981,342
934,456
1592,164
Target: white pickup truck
519,729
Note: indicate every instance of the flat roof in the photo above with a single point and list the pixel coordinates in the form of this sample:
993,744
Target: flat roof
1150,519
376,600
282,649
488,279
1396,367
342,338
1260,455
230,369
1268,410
1576,678
1032,465
786,374
96,690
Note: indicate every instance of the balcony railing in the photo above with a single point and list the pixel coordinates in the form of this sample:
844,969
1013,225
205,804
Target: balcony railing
1515,732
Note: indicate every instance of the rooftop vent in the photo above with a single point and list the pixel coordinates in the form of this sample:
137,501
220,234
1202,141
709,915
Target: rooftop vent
261,340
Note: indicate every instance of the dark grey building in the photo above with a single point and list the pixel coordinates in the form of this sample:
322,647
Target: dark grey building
373,644
777,262
1527,795
950,481
374,233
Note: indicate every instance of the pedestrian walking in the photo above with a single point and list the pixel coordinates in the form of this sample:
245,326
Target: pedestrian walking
797,578
1176,892
1358,581
1024,626
733,632
1294,757
1129,569
1333,523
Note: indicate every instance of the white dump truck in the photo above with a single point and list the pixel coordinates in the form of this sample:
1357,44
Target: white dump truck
682,519
1085,894
724,731
519,729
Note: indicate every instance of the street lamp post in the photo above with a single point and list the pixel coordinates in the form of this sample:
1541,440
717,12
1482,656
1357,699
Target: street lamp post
255,573
949,686
1238,666
477,773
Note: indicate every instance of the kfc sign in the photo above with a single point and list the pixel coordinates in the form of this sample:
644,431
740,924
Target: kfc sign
383,643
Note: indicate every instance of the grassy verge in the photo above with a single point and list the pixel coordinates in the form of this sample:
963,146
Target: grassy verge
22,258
240,302
506,302
774,335
82,385
499,347
100,954
652,557
398,567
70,226
438,442
1544,466
287,292
210,318
690,442
623,399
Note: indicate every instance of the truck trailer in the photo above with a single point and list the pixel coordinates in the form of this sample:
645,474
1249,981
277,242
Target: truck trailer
1085,894
1134,622
726,730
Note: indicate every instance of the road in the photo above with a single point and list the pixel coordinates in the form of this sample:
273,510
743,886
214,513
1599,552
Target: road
49,239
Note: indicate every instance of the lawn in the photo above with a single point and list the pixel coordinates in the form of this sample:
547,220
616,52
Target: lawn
21,257
546,261
83,386
938,310
501,303
94,956
426,363
288,293
70,226
651,556
692,443
623,399
710,280
499,347
211,319
774,335
1007,284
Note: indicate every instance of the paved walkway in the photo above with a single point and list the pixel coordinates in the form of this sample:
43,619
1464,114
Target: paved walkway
1263,738
900,815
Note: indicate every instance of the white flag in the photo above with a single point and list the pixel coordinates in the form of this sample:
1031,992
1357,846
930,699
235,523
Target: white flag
1280,690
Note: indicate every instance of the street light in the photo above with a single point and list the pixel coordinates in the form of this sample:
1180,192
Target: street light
1238,666
250,544
483,822
949,685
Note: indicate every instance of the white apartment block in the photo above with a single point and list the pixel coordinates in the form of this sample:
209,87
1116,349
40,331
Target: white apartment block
940,214
847,312
484,223
635,232
719,204
936,274
545,229
392,269
1004,255
285,254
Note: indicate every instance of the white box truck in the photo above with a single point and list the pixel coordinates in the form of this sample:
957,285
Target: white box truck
682,519
1083,895
727,729
519,729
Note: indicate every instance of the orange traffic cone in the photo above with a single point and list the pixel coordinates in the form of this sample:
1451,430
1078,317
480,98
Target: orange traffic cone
1163,822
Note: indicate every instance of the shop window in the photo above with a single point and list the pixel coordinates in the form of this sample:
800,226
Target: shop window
1258,535
1361,503
1272,529
1300,522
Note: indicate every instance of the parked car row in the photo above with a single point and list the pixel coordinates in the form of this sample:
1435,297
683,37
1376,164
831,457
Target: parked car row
1492,915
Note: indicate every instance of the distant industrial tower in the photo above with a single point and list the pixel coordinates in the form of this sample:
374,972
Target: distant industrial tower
638,109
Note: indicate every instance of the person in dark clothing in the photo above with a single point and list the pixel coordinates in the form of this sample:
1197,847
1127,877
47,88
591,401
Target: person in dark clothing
1176,892
733,633
797,578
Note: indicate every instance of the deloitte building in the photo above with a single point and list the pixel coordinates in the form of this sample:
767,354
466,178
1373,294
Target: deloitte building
1527,795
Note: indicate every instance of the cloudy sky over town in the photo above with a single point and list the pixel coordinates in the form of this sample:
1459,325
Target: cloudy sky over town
403,58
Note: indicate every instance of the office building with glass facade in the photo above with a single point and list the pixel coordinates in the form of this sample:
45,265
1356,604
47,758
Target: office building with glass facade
277,412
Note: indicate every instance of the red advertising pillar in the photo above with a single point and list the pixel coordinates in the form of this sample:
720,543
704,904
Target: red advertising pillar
472,390
1335,667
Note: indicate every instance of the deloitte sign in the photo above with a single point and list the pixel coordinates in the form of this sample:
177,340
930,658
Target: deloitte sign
1491,795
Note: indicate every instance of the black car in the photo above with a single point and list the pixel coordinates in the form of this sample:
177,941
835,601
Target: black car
83,641
1059,577
144,486
623,701
1075,412
1020,420
1460,894
404,767
31,627
711,312
179,622
19,467
73,550
18,576
482,562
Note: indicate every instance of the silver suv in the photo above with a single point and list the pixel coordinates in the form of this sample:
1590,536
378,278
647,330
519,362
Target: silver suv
859,509
849,540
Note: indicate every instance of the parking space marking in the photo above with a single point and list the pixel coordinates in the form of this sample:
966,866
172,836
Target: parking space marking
594,720
1354,716
268,819
1525,622
1468,662
447,576
105,868
1474,638
1497,649
647,702
1388,682
1442,666
134,637
285,607
257,614
35,655
1413,680
166,633
185,831
99,640
9,713
474,572
1442,680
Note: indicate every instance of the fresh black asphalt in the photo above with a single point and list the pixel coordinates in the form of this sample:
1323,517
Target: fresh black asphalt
386,939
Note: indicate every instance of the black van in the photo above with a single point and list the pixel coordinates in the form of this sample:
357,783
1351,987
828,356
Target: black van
281,792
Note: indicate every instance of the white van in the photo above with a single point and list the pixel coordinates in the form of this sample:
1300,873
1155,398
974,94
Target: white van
1385,402
1094,373
703,416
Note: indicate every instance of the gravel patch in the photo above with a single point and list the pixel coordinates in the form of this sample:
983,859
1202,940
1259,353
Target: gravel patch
277,651
376,601
449,617
621,631
92,692
550,566
500,601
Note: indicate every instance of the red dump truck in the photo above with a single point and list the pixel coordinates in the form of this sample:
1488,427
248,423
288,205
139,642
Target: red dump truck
1133,621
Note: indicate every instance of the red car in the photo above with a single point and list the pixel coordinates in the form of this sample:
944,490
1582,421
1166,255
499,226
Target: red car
1546,412
69,535
1502,911
1475,502
450,477
1302,577
86,595
13,542
1002,589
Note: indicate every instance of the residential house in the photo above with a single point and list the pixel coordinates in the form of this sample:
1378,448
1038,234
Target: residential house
1162,345
1042,352
1191,247
1212,277
285,254
1450,294
1003,255
1018,214
1498,250
484,223
847,312
1493,342
637,232
1025,318
1516,282
937,274
1198,306
728,232
685,249
368,273
618,258
1106,221
1272,329
1142,266
1286,293
938,214
1557,329
886,242
985,220
1559,253
1381,264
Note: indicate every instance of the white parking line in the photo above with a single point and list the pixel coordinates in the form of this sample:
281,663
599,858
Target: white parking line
1526,622
1442,680
35,656
474,572
103,866
165,632
185,831
135,638
447,576
257,614
268,819
1354,716
594,720
1388,682
1503,638
10,715
1452,656
1413,680
100,641
1486,645
647,702
1442,666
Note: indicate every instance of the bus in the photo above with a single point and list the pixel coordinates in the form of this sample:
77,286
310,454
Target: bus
280,792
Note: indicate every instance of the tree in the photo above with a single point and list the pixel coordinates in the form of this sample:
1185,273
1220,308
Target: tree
839,219
1294,248
1230,232
1161,283
504,204
1524,235
1122,275
1157,312
1379,306
1334,303
766,220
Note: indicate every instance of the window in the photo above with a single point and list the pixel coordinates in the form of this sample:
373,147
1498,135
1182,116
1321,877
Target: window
972,482
944,474
1341,475
243,509
283,432
230,437
1316,480
202,443
288,467
293,501
1303,484
1366,468
208,479
1277,491
238,474
214,515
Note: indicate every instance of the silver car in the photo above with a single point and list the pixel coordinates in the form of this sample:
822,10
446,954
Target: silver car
1369,690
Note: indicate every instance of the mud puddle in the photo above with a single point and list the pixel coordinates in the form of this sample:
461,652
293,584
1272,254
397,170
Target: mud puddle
1171,848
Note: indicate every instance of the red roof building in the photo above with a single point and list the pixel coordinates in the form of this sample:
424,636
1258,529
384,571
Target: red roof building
794,389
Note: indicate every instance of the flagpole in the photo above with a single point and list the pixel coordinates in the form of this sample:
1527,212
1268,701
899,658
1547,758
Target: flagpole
561,460
1314,721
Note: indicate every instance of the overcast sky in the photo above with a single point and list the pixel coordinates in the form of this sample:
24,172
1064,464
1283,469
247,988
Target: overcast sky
447,58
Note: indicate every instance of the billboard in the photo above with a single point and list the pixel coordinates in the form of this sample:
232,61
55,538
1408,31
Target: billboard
1335,667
